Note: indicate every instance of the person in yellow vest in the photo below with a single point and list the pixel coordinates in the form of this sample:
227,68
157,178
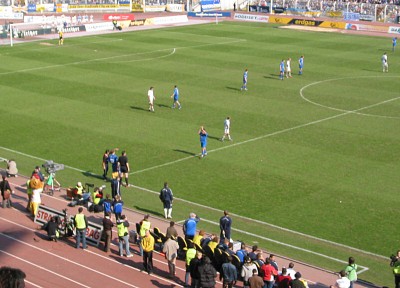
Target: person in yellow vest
148,247
144,225
123,236
81,224
29,192
60,38
190,254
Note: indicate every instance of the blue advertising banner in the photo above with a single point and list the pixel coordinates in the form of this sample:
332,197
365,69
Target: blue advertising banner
351,16
209,14
207,5
31,7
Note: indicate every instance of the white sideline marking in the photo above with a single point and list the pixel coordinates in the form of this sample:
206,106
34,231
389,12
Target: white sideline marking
241,143
104,257
146,59
42,268
67,260
268,135
343,110
113,57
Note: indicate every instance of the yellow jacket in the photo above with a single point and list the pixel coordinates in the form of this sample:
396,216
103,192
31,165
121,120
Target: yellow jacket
148,243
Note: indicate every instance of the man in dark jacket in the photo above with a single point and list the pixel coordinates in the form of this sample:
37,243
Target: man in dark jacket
207,273
167,197
229,274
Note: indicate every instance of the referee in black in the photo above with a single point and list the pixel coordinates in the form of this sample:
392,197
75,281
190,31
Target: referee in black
124,168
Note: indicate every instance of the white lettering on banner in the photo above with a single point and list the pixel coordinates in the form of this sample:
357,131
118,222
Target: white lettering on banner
249,17
99,26
170,20
70,29
14,16
93,231
175,7
394,30
154,8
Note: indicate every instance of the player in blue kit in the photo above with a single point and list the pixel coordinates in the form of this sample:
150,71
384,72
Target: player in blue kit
203,141
244,86
175,95
301,64
282,70
113,160
394,43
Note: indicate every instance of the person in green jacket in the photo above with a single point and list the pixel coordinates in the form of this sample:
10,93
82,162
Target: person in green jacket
351,271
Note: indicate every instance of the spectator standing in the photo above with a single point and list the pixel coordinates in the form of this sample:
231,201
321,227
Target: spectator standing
296,282
283,279
273,261
5,192
118,205
343,281
124,168
193,267
107,204
269,272
256,281
351,271
291,271
395,263
12,170
229,274
81,224
189,227
171,253
147,244
144,226
242,252
116,186
104,164
253,253
167,198
207,273
171,231
107,230
225,224
247,271
123,236
29,195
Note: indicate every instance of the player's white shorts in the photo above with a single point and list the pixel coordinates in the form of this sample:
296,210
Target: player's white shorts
226,130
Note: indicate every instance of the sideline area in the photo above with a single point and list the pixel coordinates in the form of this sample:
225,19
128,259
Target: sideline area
53,264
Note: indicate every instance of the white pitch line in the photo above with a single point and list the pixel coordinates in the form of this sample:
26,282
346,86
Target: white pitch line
113,57
343,110
241,143
268,135
146,59
67,260
42,268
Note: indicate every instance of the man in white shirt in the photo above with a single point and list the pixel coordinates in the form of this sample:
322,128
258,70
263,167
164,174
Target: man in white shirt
288,68
343,281
150,95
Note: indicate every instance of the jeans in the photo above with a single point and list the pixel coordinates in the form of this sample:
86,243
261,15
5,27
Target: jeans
269,284
81,236
121,242
108,236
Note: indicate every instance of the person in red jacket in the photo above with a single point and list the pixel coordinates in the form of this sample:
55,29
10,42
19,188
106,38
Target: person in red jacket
269,272
283,279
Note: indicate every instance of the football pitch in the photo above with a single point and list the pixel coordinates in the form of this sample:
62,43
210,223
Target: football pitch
311,173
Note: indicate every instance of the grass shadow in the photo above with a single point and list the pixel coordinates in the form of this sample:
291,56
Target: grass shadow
139,108
148,211
185,152
233,88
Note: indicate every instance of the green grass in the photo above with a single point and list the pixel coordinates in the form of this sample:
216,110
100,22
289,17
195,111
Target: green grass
291,162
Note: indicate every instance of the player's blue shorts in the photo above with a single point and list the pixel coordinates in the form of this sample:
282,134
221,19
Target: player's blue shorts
176,98
203,144
300,66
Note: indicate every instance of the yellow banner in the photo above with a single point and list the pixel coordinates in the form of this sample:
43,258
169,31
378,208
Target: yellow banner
334,14
93,6
334,25
280,20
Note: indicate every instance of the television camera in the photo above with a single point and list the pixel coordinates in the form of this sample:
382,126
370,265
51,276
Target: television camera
52,167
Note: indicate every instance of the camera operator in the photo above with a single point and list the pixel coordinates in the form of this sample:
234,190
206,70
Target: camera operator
395,263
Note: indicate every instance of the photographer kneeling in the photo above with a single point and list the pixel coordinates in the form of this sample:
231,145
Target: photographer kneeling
395,263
